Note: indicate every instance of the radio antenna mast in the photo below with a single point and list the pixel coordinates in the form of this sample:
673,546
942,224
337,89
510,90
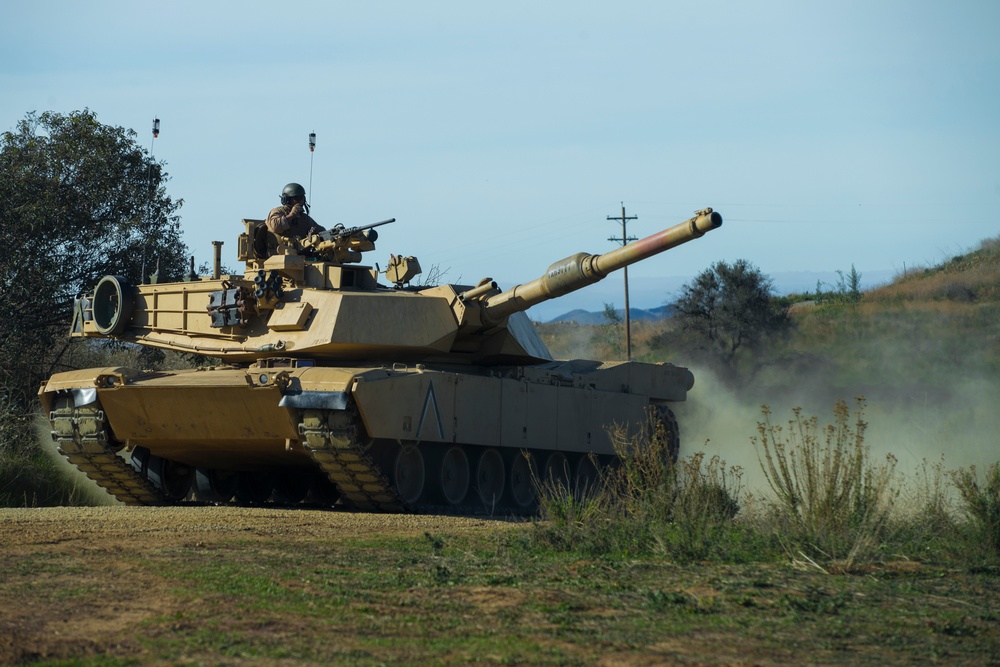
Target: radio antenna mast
149,201
312,151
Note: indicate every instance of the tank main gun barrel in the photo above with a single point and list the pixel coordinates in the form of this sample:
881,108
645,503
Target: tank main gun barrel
582,269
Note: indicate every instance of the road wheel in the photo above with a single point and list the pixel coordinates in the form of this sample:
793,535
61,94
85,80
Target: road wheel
454,476
490,477
254,488
557,472
171,478
521,486
215,486
586,478
410,474
291,487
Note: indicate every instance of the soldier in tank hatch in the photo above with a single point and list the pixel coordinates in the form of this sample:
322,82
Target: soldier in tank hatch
292,217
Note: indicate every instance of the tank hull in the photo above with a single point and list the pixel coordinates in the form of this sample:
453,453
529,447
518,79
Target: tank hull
386,438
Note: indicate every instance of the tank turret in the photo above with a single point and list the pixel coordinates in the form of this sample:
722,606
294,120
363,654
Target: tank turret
307,299
338,389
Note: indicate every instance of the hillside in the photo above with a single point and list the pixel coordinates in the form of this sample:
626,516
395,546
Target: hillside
968,278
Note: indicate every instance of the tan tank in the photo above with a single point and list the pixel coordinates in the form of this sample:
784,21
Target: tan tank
335,388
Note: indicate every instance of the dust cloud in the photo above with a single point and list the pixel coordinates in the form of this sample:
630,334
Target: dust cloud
956,423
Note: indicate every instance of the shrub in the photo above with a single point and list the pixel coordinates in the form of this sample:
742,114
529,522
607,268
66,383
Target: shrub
648,504
981,502
830,500
703,506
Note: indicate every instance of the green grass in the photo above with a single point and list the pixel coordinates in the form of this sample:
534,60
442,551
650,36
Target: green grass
292,601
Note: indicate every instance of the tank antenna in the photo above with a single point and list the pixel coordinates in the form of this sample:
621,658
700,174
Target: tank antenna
149,203
312,150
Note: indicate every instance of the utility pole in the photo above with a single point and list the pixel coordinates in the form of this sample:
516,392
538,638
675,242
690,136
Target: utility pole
625,238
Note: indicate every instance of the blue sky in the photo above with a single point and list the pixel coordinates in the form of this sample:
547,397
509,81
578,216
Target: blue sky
502,135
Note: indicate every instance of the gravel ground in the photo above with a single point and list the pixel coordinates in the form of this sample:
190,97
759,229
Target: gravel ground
56,524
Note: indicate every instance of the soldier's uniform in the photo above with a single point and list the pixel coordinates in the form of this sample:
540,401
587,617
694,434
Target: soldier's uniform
281,221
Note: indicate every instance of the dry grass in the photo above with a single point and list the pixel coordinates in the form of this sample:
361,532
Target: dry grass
972,285
974,276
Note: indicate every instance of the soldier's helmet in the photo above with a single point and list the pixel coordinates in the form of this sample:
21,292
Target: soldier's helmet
291,191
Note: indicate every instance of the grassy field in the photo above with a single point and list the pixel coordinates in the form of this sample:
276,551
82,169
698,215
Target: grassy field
155,588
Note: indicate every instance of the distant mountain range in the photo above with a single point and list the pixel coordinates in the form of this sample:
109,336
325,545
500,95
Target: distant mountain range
581,316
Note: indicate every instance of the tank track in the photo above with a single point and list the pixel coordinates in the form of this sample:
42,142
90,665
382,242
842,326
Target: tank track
361,469
332,440
81,435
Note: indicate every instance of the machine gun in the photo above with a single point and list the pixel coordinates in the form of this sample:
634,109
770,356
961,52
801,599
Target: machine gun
339,231
342,245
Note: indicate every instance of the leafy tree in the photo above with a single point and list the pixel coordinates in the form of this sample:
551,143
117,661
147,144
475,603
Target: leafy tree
613,330
80,200
729,307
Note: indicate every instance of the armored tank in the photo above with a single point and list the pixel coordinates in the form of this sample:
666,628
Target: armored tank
330,387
